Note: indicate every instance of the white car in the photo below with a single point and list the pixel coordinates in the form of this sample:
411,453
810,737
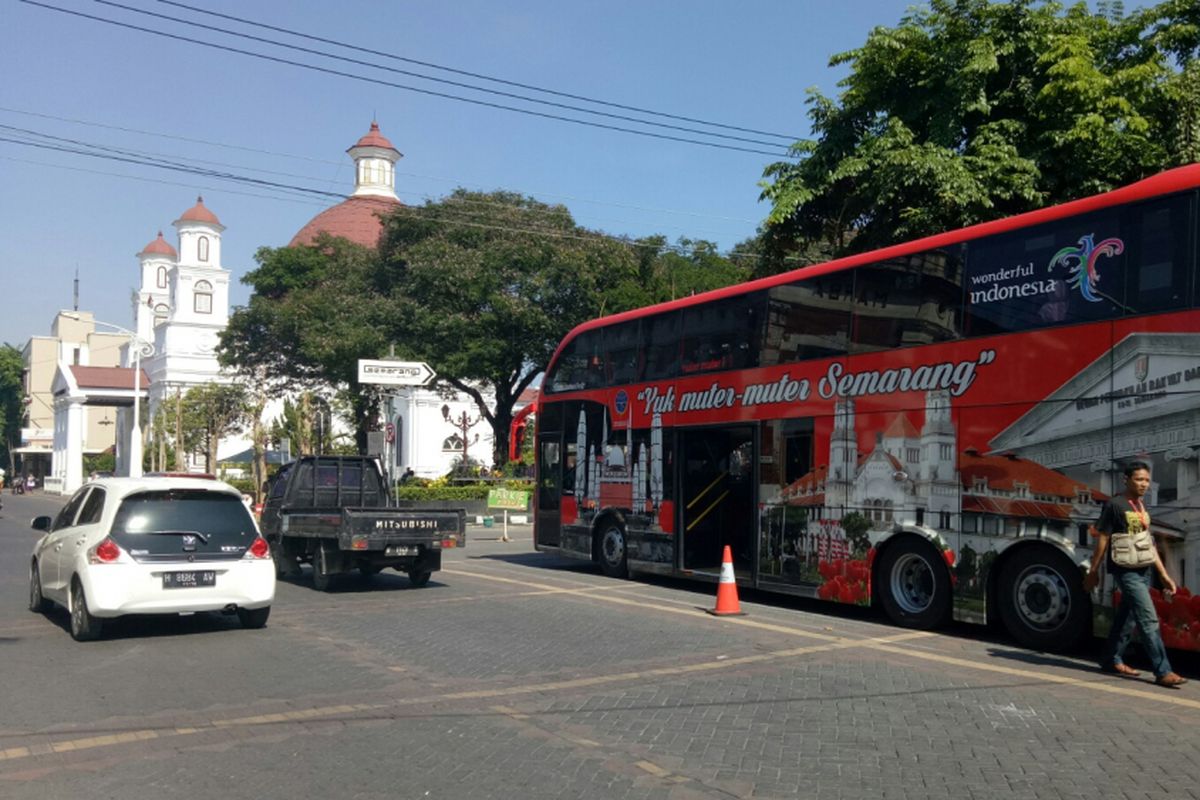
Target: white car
152,545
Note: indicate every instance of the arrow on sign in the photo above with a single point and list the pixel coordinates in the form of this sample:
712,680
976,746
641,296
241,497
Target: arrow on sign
394,373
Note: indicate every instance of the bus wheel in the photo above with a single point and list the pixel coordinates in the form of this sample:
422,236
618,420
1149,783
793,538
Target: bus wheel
913,584
1041,600
613,557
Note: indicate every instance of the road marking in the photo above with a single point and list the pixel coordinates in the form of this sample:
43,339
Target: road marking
1102,684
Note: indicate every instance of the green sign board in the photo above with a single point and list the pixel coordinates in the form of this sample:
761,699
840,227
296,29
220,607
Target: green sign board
512,499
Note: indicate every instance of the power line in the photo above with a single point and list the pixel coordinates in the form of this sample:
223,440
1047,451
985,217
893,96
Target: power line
393,84
277,154
164,159
478,75
454,218
411,74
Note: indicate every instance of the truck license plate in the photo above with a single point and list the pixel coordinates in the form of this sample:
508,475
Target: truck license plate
402,550
189,580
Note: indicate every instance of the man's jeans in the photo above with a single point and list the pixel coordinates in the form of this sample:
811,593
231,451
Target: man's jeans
1136,608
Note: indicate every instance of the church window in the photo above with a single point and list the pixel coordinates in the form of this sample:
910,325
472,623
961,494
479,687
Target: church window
160,313
202,248
162,278
203,297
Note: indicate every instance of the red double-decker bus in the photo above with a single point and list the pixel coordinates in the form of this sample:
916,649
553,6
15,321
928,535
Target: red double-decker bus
931,426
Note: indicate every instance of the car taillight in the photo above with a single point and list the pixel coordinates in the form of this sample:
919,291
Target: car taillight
104,553
260,548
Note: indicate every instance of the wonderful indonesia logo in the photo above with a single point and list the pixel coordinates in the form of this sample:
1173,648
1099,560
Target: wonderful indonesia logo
1080,262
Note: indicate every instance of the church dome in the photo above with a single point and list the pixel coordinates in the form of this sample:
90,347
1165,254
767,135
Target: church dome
199,213
356,218
159,247
373,138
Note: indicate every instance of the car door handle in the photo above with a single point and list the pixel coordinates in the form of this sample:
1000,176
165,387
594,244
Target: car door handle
58,547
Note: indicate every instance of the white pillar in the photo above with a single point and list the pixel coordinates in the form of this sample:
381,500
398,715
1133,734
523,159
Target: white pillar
69,430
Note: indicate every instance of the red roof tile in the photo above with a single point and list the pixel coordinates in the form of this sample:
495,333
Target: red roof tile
107,377
1003,472
159,247
356,219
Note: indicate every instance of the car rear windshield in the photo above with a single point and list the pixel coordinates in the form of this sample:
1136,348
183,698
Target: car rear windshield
183,523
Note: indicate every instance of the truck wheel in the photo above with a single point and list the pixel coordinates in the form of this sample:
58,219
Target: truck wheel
322,578
254,618
285,564
418,578
1041,600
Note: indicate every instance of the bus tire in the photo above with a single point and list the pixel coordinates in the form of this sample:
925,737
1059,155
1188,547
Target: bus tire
1041,600
611,546
913,584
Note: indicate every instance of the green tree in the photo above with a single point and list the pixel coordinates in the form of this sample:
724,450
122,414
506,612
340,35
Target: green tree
313,313
214,411
484,286
12,405
856,526
970,110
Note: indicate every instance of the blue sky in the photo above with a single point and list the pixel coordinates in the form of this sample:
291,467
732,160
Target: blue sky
744,64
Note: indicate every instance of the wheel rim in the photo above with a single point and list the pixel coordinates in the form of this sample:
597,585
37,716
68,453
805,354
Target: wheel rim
77,603
613,546
1042,597
912,583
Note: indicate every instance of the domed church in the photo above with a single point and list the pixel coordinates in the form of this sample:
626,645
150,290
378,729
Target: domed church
424,439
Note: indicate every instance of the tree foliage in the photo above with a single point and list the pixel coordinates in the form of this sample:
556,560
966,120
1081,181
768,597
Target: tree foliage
12,403
484,286
970,110
213,411
312,314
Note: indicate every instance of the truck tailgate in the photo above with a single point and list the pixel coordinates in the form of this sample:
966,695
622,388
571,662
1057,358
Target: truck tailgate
381,528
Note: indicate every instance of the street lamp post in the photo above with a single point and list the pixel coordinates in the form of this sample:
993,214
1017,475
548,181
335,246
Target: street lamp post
462,424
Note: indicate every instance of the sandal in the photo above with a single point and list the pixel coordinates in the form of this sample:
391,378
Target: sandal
1123,670
1171,680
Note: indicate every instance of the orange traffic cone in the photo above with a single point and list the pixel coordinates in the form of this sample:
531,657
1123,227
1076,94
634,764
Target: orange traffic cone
727,599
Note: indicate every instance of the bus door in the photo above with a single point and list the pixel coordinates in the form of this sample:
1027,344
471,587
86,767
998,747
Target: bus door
717,500
549,489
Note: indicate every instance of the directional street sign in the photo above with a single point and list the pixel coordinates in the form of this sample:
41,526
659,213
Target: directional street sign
394,373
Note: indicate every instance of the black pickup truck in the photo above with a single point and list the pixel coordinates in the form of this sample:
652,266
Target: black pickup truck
336,513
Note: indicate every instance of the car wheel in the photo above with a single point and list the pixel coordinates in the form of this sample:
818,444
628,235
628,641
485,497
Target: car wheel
614,558
38,604
84,627
418,578
913,584
254,617
1041,600
322,578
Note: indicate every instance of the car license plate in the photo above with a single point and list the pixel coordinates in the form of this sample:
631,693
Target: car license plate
402,550
189,580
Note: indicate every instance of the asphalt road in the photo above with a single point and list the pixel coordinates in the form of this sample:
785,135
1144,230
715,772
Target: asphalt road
518,675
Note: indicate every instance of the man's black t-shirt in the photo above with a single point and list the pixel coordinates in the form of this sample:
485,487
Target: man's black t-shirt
1119,516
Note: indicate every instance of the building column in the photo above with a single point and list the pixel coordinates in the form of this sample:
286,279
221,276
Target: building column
69,430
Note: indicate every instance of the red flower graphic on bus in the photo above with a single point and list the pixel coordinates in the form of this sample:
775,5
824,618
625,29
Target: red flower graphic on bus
1080,263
